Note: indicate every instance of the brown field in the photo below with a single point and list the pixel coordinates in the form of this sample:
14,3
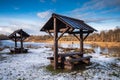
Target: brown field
105,44
101,44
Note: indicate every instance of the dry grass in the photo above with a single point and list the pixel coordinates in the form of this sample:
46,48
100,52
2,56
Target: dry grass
105,44
101,44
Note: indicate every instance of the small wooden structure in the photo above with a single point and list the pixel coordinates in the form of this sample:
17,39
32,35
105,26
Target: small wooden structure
63,24
18,35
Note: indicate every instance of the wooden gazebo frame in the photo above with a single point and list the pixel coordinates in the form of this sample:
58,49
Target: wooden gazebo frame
63,24
18,35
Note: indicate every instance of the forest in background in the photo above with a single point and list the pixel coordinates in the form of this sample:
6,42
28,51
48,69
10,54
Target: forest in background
3,37
103,36
106,36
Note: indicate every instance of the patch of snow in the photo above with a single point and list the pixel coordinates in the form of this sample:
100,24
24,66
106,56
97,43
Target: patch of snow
118,64
5,51
31,66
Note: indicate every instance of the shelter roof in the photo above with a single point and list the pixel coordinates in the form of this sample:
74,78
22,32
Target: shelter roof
64,22
20,32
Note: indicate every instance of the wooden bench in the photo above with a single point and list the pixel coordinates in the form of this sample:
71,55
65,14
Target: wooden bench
72,62
51,58
80,59
70,54
18,50
66,55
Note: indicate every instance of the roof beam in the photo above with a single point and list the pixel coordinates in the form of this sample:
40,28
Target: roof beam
60,30
78,32
76,37
63,33
62,20
49,33
86,36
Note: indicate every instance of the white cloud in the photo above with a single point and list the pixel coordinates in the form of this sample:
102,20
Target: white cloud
93,11
110,10
31,27
44,14
98,5
98,20
5,30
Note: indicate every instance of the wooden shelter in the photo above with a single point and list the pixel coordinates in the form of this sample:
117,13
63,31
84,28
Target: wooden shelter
63,24
18,35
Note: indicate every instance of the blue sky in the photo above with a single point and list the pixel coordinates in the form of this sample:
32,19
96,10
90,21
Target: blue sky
31,15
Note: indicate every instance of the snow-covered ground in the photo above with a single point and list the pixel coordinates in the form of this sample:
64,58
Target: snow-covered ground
32,66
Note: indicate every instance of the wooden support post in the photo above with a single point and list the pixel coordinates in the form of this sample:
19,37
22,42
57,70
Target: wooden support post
76,37
15,41
63,33
85,36
55,45
62,62
21,40
49,33
81,42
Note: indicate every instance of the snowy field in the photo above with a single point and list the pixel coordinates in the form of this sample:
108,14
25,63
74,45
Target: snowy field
32,66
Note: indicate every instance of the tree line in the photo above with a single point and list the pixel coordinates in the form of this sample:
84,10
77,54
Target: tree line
102,36
3,37
106,36
112,35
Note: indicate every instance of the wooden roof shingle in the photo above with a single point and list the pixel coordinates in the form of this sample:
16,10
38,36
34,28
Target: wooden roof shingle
62,21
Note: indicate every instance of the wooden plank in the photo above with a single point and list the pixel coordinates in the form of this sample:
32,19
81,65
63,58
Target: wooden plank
63,33
18,50
55,45
60,30
69,67
51,58
21,42
70,54
49,33
81,41
76,37
86,36
62,62
78,32
66,55
15,37
15,41
63,29
80,59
